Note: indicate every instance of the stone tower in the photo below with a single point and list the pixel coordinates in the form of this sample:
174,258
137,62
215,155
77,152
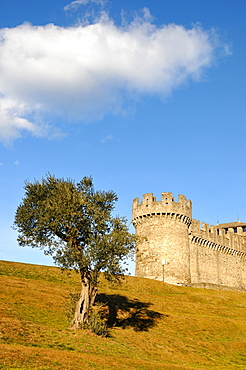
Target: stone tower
164,226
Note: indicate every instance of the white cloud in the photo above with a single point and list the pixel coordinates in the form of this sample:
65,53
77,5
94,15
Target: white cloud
11,121
75,4
80,73
106,138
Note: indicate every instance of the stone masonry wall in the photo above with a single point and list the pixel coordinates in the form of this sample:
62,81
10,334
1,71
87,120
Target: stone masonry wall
166,239
212,263
164,225
194,256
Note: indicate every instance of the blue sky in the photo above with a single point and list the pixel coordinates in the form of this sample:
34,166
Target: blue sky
144,96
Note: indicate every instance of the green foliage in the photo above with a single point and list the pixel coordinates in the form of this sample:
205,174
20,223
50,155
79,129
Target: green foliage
97,325
73,223
70,305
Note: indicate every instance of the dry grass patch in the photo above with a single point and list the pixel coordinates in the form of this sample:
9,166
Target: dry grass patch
152,325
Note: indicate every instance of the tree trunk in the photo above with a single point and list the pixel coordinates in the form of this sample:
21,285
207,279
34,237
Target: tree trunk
85,302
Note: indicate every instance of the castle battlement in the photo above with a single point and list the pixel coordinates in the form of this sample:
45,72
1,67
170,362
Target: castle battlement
194,252
181,210
230,238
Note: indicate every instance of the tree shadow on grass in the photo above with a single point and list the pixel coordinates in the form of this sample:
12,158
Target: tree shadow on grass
122,312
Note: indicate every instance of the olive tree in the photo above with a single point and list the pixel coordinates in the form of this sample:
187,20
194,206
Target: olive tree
74,224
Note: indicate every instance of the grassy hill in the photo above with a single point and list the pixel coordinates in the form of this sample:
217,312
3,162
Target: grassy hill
153,325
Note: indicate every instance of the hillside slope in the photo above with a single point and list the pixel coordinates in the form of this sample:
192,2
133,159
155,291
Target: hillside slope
153,325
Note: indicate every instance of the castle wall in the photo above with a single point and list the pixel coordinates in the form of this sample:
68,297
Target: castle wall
207,256
217,259
166,239
164,227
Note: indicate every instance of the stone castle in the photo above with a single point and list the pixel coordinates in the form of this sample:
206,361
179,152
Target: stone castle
176,250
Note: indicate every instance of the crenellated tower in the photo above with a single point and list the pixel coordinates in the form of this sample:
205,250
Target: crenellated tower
164,226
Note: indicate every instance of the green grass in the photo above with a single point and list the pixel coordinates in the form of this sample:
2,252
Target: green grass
153,325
